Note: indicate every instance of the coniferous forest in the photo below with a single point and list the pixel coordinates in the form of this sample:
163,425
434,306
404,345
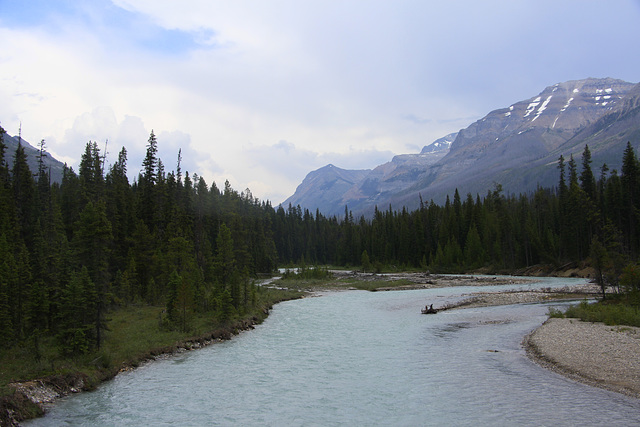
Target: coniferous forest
75,251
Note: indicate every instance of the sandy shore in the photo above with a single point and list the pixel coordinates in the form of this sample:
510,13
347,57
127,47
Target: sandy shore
593,353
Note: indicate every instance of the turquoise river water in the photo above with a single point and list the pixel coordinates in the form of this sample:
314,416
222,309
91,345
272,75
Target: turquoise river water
361,359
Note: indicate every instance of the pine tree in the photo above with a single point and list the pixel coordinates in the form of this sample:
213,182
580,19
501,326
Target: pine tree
4,170
6,325
76,314
473,250
119,205
365,261
23,193
148,200
630,181
150,162
90,173
587,180
92,244
224,262
7,278
184,303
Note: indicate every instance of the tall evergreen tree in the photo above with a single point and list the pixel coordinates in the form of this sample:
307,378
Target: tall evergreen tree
630,181
587,180
225,261
23,192
92,244
148,199
76,315
90,173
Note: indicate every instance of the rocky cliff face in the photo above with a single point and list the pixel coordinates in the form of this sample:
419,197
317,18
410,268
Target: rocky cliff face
516,146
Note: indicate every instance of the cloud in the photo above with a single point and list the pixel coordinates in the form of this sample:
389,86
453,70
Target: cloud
261,93
99,124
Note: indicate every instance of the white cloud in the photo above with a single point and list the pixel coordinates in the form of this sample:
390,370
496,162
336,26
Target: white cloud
348,83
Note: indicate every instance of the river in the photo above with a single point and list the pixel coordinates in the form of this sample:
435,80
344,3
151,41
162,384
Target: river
357,358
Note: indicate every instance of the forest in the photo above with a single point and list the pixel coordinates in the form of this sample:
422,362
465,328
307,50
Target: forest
75,251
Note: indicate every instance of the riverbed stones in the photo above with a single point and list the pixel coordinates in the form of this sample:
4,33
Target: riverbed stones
600,355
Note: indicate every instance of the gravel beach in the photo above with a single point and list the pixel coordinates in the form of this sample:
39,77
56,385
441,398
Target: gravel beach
593,353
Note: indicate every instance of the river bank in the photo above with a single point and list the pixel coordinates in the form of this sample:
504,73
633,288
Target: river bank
593,353
32,396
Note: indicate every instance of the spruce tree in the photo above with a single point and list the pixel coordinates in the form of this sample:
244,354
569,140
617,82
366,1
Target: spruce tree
630,181
224,261
23,192
148,201
587,180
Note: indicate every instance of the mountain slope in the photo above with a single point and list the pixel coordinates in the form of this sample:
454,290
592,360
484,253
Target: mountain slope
325,187
517,147
32,153
330,188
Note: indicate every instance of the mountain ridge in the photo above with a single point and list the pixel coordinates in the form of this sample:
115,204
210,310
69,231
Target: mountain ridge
54,166
516,146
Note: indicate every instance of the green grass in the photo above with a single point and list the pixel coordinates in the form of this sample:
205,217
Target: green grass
613,311
134,334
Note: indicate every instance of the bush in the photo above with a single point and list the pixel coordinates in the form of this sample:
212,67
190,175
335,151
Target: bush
555,313
614,312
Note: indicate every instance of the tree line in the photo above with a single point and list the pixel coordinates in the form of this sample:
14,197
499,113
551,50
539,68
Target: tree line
549,226
72,251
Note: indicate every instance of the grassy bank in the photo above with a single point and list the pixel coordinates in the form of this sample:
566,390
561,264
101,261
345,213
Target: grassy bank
134,335
615,310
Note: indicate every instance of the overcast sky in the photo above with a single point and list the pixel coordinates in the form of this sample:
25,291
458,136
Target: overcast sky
263,92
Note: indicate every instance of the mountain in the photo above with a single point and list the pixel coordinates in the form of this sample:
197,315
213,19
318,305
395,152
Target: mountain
517,146
325,186
330,188
32,153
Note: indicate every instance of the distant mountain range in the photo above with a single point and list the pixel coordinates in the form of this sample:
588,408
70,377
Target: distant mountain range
517,146
54,166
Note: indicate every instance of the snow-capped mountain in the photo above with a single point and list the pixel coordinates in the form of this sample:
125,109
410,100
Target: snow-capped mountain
440,144
517,146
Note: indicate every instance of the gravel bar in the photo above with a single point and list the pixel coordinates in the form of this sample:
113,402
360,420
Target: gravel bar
593,353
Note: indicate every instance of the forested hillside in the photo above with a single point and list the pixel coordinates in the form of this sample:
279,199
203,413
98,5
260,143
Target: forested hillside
72,252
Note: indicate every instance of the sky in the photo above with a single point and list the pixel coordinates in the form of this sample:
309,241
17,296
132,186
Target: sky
260,93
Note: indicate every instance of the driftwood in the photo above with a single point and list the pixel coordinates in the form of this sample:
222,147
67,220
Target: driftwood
429,310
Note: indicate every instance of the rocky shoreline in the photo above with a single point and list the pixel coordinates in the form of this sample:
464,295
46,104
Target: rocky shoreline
592,353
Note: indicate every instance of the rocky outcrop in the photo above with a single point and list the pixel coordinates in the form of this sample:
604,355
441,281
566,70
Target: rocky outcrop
30,397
